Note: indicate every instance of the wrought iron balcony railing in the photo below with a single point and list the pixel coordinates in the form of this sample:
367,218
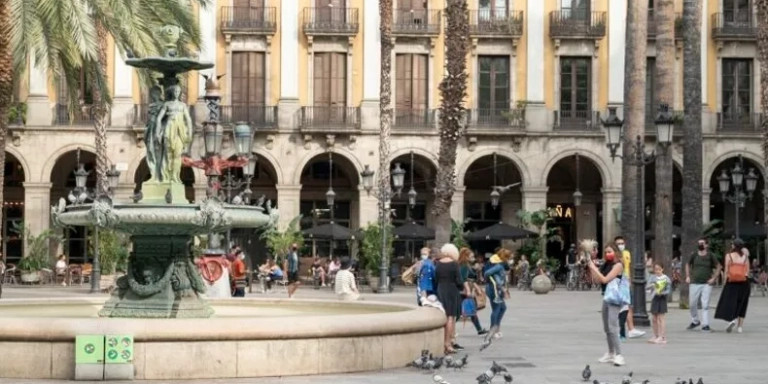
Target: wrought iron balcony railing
257,116
577,120
496,23
415,119
247,20
734,122
331,21
496,120
734,26
82,115
575,24
328,119
410,22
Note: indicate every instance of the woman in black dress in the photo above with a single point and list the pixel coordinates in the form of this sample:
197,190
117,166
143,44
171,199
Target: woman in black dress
732,306
449,286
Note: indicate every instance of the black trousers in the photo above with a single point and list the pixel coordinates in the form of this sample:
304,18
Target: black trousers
623,324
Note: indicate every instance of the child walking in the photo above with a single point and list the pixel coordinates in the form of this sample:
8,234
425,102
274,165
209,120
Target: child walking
660,286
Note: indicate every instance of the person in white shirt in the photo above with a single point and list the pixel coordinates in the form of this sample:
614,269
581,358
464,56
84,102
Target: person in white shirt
61,269
345,286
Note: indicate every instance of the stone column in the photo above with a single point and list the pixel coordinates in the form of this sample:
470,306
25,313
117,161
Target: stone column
39,107
288,203
457,204
368,209
37,206
207,22
611,214
536,111
706,196
122,103
369,107
124,193
201,191
534,198
617,14
289,53
704,53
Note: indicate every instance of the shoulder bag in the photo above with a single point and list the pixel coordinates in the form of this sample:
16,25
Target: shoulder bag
617,292
737,272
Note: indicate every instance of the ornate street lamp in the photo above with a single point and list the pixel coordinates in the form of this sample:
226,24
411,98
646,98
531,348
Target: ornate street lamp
498,190
212,137
243,138
412,193
665,125
367,176
614,128
113,176
738,198
577,195
330,196
398,178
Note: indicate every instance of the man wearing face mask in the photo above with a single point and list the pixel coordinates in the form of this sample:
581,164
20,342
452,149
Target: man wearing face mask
626,321
701,273
425,271
291,266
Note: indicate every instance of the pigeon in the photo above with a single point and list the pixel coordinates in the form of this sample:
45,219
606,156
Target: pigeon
627,379
439,379
586,373
690,381
237,200
433,364
488,375
419,362
168,197
457,364
508,378
701,381
260,201
679,381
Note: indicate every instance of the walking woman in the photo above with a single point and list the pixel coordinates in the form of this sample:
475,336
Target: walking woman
468,277
732,306
610,270
449,286
496,290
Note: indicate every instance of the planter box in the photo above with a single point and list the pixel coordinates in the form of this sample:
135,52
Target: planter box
30,277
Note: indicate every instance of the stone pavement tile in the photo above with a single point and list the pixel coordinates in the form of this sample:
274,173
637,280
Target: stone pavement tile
548,340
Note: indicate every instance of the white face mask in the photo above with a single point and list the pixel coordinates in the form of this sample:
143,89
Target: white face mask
621,248
424,256
242,257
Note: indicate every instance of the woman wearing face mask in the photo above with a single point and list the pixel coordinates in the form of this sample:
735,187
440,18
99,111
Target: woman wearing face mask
611,269
468,277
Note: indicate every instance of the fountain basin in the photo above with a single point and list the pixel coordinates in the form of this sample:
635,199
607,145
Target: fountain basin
246,338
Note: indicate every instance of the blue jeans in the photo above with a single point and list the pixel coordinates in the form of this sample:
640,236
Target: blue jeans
497,312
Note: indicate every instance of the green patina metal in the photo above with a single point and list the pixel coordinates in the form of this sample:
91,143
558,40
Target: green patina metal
161,280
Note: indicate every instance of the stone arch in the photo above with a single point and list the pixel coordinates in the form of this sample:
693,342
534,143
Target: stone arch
430,156
599,162
24,164
349,156
54,157
522,168
274,163
747,155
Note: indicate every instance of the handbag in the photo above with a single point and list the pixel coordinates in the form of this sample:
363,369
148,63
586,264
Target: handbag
617,292
480,298
737,272
468,308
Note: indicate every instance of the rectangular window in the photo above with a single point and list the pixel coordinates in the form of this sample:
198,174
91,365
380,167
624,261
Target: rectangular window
410,86
330,11
575,88
737,11
651,104
248,78
493,85
737,90
247,11
330,86
576,9
492,6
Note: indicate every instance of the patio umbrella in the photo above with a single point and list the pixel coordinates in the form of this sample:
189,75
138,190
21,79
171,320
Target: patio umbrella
413,231
501,231
330,231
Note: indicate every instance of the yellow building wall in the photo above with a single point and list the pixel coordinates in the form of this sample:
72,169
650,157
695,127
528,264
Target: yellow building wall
221,54
549,57
438,55
522,46
273,94
602,61
303,64
710,97
357,69
111,65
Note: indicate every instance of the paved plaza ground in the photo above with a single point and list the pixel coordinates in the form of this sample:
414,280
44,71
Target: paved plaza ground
548,340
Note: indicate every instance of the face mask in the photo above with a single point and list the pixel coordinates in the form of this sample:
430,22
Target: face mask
702,247
424,256
609,257
621,247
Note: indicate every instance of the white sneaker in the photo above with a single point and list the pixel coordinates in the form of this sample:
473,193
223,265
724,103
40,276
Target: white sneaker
618,360
635,333
607,358
739,330
497,335
729,329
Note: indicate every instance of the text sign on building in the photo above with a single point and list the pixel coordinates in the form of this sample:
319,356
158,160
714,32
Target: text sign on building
119,349
89,349
561,211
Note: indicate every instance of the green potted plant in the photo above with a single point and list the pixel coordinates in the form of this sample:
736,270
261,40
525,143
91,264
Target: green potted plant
113,254
537,247
37,256
279,242
458,232
370,253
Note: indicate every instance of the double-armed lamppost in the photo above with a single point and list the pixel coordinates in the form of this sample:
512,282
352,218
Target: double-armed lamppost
614,135
80,195
385,198
737,197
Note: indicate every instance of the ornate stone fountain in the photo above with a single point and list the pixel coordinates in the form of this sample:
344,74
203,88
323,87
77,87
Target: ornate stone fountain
161,280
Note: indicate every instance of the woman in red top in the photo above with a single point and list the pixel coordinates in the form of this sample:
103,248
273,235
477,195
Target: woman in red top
238,275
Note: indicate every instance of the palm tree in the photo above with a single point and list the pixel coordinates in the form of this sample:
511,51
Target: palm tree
665,91
634,117
453,90
385,112
69,37
692,150
6,89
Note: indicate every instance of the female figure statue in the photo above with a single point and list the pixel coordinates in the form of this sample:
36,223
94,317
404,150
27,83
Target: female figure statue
153,146
175,133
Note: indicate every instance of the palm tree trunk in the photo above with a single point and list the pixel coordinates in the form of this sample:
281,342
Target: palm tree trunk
385,112
634,122
665,94
762,55
692,151
100,111
6,91
453,90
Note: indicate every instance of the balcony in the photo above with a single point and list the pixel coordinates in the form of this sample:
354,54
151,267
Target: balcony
576,25
420,120
415,23
329,119
496,23
496,121
330,21
739,122
81,116
734,26
577,121
260,117
652,26
248,21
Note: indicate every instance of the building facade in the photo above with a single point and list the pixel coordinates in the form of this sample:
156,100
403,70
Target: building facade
306,75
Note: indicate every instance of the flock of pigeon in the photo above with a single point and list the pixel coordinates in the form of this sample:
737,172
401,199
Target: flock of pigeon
586,374
430,363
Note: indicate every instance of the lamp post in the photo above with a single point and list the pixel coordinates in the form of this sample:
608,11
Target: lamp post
385,197
79,196
737,197
614,136
498,190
